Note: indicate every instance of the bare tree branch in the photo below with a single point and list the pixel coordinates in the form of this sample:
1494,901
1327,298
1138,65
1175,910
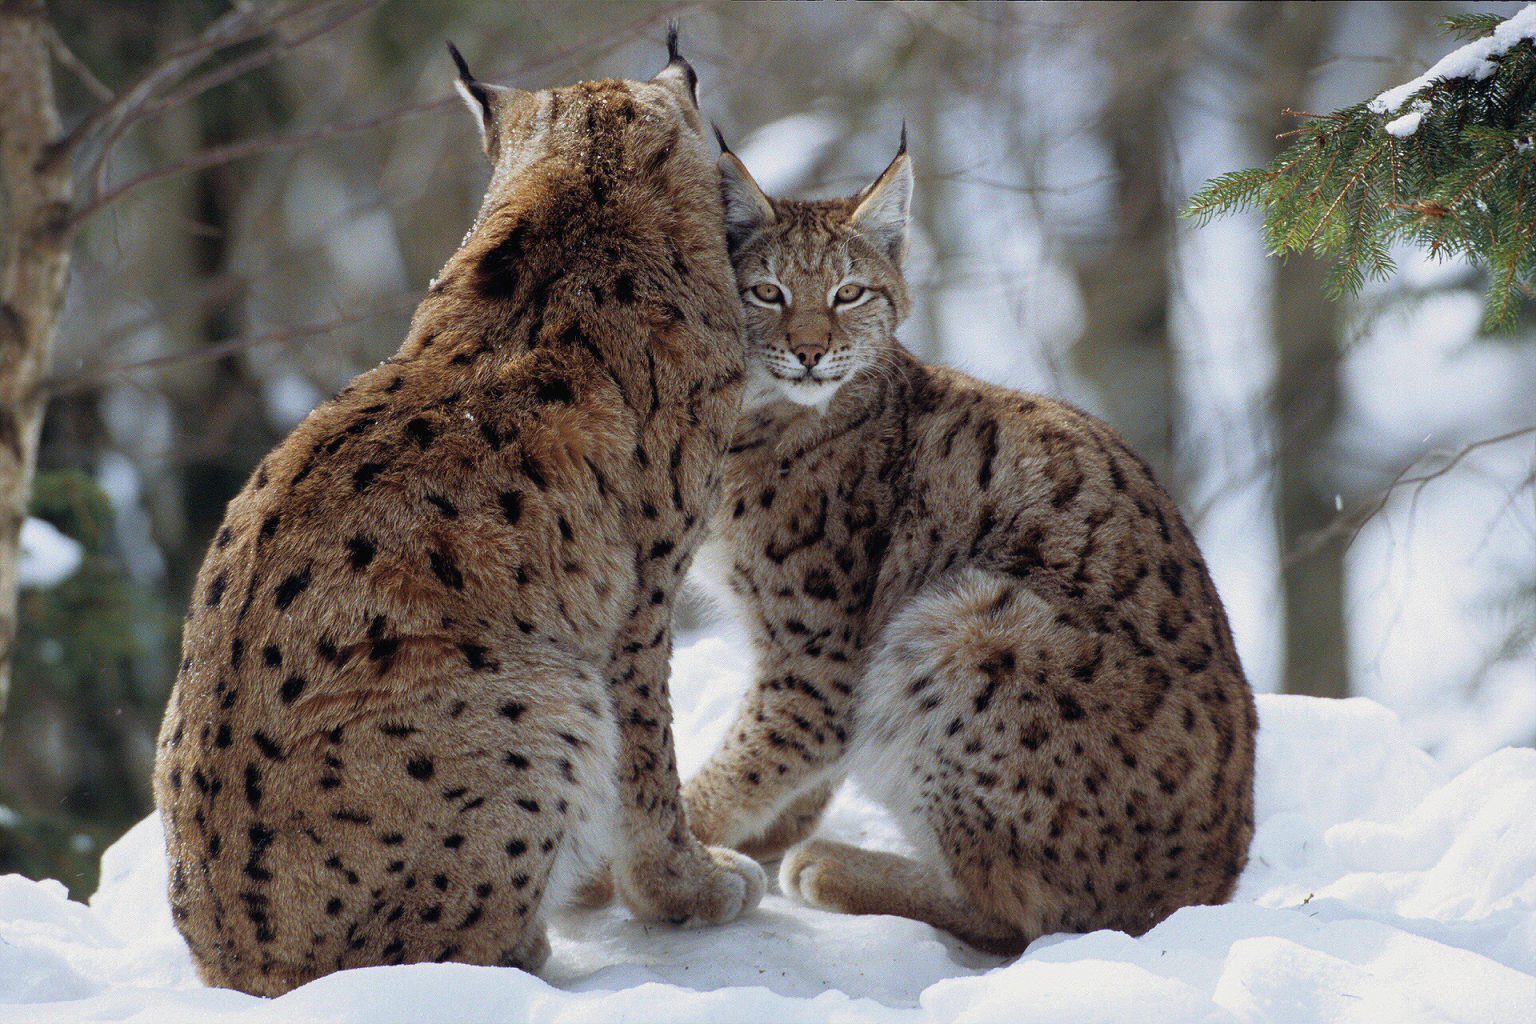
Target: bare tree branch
219,76
1350,524
216,156
245,22
97,378
68,60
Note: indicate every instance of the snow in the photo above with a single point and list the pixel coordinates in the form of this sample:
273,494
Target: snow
1469,61
48,557
1382,887
1402,127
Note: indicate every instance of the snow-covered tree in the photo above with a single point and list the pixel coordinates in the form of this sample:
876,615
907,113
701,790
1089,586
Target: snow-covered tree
1446,161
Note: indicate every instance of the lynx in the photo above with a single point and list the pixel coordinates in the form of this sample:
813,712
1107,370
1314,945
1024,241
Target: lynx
425,677
977,602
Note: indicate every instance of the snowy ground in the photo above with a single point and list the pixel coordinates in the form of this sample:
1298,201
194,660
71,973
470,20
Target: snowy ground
1381,889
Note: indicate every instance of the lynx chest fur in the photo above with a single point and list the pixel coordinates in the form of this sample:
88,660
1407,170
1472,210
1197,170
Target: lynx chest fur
978,602
425,674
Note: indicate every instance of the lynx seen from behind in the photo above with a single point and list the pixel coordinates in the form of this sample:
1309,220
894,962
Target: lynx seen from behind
978,602
425,675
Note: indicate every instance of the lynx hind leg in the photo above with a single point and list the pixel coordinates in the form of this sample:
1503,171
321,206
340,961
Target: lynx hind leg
940,745
496,834
849,880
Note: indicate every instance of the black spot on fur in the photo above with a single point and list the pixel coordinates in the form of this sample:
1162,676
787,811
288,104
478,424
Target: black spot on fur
291,688
360,552
421,431
498,271
269,749
445,569
292,586
272,656
511,503
475,655
216,590
447,508
557,390
253,785
419,768
365,475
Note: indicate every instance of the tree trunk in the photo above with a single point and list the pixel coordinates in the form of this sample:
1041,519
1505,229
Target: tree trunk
34,205
1125,349
1305,397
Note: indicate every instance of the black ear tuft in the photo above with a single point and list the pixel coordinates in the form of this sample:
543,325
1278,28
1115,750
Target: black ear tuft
903,148
458,59
672,51
720,138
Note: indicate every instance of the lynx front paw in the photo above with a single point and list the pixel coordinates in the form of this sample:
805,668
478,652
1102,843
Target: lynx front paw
719,888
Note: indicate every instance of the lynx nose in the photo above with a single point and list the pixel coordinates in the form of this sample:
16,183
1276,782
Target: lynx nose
808,352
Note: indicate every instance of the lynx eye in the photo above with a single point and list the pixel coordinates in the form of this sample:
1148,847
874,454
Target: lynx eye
769,293
849,293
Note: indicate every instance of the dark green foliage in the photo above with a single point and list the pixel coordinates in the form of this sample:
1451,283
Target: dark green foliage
1462,185
82,719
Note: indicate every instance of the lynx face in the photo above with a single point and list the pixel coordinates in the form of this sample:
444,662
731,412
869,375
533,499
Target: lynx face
820,282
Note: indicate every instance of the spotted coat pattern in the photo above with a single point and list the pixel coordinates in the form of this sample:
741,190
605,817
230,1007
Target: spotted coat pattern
425,672
981,604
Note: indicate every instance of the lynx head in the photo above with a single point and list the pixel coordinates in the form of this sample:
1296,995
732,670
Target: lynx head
820,282
614,127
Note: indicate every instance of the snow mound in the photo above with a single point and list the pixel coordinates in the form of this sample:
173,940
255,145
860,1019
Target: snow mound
1380,889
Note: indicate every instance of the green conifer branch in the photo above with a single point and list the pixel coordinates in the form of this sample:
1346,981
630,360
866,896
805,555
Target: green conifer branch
1448,167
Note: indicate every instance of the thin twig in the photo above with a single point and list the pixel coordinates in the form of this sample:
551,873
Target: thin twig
229,346
1353,522
216,156
67,59
241,24
217,77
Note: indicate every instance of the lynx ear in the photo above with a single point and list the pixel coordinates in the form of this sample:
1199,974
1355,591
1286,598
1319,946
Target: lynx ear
485,102
746,207
881,216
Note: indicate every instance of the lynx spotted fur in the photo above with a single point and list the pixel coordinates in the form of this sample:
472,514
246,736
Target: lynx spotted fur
978,602
425,675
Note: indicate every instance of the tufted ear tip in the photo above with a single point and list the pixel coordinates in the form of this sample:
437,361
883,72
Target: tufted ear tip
747,207
459,62
883,207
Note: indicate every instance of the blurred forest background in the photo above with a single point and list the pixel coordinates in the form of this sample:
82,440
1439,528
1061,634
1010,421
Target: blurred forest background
1361,474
